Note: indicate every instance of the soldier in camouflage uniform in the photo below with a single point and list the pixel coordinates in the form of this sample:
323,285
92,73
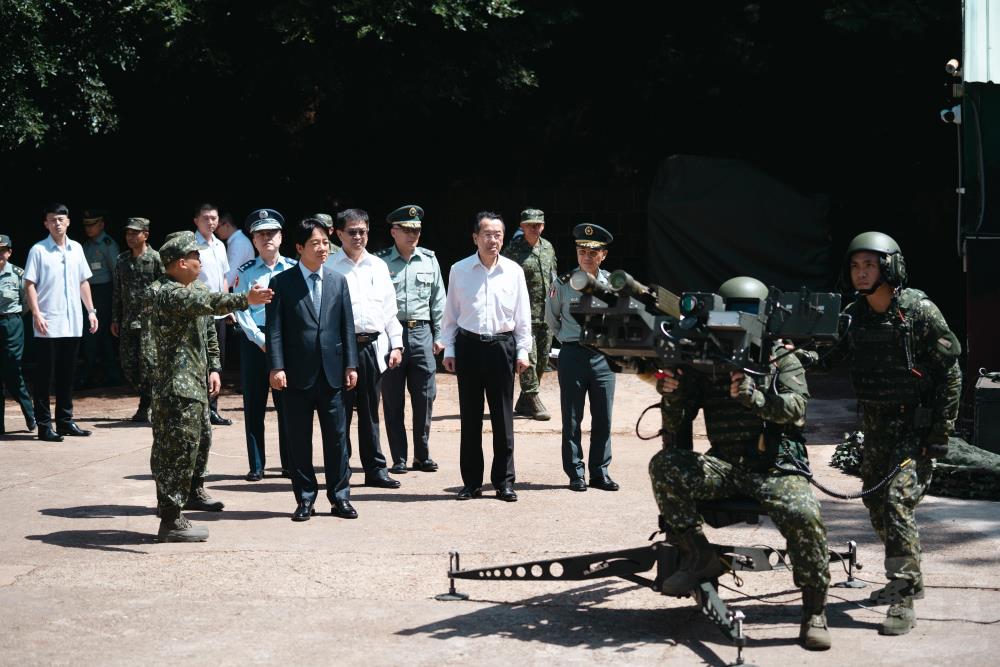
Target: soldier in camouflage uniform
904,368
136,269
180,397
755,431
537,258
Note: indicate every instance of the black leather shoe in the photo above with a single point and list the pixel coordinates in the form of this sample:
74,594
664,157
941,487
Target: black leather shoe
254,476
398,468
382,481
303,512
507,495
344,510
468,494
46,434
604,483
427,465
70,428
219,420
577,484
30,423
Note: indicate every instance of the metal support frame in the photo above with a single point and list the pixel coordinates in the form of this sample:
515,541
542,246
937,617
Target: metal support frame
852,564
632,564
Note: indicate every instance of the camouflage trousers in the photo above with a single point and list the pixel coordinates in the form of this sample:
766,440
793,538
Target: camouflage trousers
682,477
891,510
182,438
133,348
538,358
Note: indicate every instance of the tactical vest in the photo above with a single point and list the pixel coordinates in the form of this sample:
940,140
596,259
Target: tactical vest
882,369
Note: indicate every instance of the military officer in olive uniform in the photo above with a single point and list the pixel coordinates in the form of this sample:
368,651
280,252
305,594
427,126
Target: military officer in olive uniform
755,431
905,372
420,295
582,371
135,270
180,395
537,258
12,309
255,367
101,252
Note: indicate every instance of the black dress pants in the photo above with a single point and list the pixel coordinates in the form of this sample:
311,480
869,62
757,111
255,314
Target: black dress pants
367,395
254,372
55,360
486,367
328,404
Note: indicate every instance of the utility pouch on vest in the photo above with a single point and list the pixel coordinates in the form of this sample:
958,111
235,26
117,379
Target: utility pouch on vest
761,453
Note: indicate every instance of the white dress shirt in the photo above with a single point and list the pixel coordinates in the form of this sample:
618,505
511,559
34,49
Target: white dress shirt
239,251
57,274
487,301
214,263
373,299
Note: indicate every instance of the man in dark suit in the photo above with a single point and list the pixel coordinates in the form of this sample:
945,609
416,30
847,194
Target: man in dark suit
314,358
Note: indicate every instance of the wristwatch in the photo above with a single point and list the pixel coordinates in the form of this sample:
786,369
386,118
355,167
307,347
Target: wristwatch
91,311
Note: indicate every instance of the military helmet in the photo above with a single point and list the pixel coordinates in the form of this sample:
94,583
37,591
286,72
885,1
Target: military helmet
743,293
890,257
743,287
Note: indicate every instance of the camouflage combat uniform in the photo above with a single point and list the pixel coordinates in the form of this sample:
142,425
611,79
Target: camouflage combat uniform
747,446
185,353
904,367
539,265
133,276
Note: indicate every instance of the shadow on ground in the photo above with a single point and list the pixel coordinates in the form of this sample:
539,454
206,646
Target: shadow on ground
100,540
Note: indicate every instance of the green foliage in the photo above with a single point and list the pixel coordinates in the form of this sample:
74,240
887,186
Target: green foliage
67,62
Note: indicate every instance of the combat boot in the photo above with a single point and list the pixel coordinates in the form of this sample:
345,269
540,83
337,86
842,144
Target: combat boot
900,618
521,408
200,500
814,634
895,591
539,413
174,527
698,561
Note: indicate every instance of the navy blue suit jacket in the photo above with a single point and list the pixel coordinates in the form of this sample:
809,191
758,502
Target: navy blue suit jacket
302,341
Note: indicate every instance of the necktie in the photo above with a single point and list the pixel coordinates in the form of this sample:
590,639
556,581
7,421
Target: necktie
317,293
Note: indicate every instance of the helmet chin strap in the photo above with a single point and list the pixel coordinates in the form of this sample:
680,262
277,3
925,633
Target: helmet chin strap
871,290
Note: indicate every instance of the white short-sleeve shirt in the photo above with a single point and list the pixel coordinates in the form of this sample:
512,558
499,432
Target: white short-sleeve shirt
57,274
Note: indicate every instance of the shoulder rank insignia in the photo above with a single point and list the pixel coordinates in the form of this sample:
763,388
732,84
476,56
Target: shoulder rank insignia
383,252
426,251
564,278
246,265
18,271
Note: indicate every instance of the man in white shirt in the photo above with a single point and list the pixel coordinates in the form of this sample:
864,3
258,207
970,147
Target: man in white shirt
486,333
55,278
239,248
214,269
379,334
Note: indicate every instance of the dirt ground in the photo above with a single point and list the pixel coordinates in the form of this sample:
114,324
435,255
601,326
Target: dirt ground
81,580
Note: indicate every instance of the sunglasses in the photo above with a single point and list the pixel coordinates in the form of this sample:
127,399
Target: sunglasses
356,232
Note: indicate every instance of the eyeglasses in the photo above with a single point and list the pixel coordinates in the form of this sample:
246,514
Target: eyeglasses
356,232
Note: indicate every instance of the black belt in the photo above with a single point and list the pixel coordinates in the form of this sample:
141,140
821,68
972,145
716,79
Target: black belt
5,316
365,338
487,338
413,324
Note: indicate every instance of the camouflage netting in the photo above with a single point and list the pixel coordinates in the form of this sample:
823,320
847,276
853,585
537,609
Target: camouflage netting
967,472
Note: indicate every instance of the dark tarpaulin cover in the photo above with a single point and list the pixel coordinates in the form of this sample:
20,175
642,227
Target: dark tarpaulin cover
711,219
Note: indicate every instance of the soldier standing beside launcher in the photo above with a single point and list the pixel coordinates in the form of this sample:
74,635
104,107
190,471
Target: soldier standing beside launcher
180,399
752,426
583,371
904,368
